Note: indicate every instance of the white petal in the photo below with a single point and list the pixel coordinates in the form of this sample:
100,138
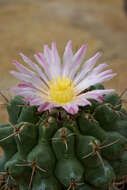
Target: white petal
37,82
67,59
92,80
43,63
47,54
99,68
21,68
71,108
46,106
77,60
34,66
95,94
87,67
55,65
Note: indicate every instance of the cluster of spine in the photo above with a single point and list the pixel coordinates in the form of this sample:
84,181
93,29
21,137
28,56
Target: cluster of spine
57,151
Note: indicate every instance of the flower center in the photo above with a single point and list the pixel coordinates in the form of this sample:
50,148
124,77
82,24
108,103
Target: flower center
61,90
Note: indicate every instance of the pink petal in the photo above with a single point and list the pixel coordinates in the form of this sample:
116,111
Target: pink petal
30,79
92,80
45,106
77,60
102,92
87,67
96,94
107,77
25,85
55,55
105,73
71,108
41,60
99,68
21,76
55,65
29,62
67,59
82,102
47,54
23,91
96,97
28,91
22,68
34,66
36,101
27,99
93,96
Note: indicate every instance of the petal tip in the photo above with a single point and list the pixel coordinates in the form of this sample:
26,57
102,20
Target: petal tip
21,54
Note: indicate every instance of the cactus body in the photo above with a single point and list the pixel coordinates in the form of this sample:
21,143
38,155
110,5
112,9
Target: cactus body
57,151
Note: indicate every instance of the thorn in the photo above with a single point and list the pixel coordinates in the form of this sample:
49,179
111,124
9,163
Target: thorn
8,179
124,101
101,160
6,176
12,178
122,93
95,143
96,149
80,184
31,178
14,127
13,134
22,105
23,124
22,165
4,97
55,139
104,141
88,155
117,105
64,139
16,131
110,144
30,164
40,169
70,135
73,184
18,135
66,146
34,166
69,187
121,113
24,160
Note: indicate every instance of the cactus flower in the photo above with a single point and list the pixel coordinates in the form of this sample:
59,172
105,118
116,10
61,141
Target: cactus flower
50,83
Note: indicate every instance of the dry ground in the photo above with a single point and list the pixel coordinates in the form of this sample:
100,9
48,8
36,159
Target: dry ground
26,25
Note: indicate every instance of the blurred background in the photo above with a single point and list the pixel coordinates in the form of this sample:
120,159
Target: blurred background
26,25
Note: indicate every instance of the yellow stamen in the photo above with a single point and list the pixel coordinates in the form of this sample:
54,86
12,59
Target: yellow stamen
61,90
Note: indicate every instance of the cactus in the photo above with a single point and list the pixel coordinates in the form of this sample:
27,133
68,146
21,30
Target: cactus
65,131
55,150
